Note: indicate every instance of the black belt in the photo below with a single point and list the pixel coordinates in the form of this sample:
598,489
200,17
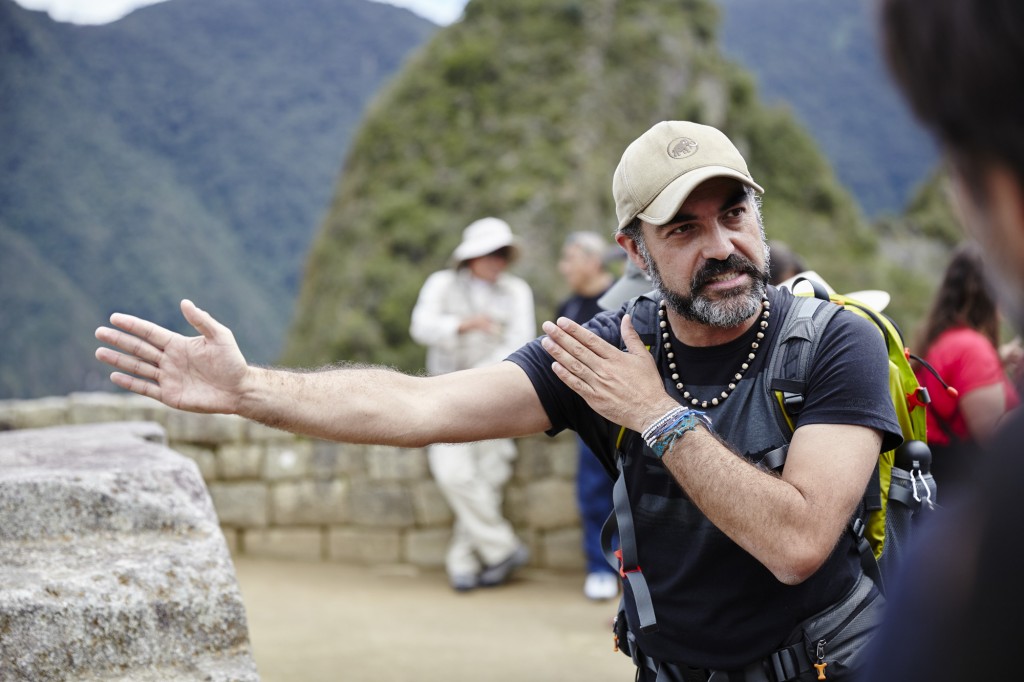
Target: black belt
784,664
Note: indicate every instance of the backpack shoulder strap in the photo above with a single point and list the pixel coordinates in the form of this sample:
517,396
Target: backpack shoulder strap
643,312
790,361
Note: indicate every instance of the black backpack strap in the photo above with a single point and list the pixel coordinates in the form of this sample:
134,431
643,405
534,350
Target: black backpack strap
625,560
790,361
643,312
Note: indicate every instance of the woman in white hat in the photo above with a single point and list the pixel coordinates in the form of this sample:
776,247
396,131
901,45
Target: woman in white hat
470,315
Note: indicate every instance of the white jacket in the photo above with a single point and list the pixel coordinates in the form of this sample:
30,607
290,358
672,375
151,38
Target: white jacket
449,296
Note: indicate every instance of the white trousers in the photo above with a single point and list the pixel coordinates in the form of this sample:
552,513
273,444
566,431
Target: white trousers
472,477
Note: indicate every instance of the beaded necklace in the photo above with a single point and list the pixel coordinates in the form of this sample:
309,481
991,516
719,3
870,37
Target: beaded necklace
667,345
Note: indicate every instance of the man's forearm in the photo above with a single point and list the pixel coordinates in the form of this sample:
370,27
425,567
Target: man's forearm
349,404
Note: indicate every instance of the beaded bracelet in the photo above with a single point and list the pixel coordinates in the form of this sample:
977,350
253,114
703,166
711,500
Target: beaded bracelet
665,431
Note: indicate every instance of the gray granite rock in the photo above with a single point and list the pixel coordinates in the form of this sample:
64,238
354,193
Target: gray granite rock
112,563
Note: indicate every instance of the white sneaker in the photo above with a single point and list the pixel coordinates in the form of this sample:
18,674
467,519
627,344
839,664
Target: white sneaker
601,586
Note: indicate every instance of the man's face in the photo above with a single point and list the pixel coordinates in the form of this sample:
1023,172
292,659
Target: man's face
710,261
489,267
577,266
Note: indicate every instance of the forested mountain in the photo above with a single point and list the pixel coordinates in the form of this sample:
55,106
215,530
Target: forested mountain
187,150
196,148
521,110
822,59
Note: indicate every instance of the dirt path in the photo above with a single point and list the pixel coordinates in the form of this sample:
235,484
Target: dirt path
323,622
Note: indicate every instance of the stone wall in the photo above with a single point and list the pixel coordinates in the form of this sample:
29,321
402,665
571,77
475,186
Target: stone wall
280,495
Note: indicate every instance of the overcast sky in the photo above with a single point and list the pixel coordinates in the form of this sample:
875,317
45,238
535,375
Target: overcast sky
103,11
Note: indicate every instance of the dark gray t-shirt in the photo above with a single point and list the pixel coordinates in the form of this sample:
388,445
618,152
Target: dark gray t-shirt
717,606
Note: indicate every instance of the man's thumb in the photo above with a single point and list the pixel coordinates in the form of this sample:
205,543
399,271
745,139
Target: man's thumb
634,344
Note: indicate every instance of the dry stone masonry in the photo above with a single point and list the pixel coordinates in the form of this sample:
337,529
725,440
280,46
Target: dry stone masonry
279,495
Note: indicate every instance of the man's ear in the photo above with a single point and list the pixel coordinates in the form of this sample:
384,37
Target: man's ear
628,245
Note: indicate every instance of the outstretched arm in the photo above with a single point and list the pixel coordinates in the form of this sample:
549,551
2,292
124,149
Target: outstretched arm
208,373
790,523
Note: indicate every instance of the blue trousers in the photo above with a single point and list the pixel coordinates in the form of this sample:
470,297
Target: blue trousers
594,497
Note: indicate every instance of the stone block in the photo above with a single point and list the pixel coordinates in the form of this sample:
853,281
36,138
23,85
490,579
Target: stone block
233,539
563,455
99,407
533,462
563,549
517,505
212,429
381,504
112,566
241,505
255,432
430,506
427,547
364,545
310,502
240,461
333,460
287,460
396,464
204,458
284,543
551,504
33,414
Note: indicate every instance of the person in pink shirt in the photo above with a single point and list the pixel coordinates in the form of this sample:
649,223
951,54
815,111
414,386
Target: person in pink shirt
960,342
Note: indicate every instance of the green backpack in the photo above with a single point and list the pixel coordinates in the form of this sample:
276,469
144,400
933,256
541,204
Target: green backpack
902,487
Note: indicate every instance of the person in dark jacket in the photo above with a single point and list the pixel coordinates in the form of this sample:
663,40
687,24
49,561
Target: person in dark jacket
953,607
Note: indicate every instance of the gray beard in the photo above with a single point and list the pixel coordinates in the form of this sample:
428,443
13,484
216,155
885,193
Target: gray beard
724,314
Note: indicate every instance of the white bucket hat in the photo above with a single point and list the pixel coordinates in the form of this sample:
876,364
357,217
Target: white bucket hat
485,236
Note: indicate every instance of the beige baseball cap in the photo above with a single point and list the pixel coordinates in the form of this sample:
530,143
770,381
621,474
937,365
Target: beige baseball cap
661,167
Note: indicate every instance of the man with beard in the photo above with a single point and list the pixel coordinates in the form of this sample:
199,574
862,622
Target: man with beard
740,566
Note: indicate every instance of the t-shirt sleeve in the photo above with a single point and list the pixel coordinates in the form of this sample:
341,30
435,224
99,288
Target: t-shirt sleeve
564,407
978,361
849,381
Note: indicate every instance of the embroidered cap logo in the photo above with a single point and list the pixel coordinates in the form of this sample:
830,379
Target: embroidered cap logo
681,147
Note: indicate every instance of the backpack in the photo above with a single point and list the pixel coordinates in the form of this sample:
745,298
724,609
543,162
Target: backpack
900,490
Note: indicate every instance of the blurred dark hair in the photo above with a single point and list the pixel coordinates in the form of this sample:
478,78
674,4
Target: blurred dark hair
960,65
783,262
962,299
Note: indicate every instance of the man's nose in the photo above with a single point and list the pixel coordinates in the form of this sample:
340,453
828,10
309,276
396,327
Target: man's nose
718,244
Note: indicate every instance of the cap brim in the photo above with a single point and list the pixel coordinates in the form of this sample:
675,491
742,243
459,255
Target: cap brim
473,250
633,283
666,205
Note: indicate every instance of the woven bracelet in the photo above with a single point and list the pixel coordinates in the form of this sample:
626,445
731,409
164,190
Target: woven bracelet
663,434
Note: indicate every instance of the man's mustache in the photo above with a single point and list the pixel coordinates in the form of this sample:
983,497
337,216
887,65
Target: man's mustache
711,269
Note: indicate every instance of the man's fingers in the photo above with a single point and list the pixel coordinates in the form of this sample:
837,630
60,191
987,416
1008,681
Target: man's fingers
200,320
127,363
135,385
153,334
132,345
563,357
577,340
